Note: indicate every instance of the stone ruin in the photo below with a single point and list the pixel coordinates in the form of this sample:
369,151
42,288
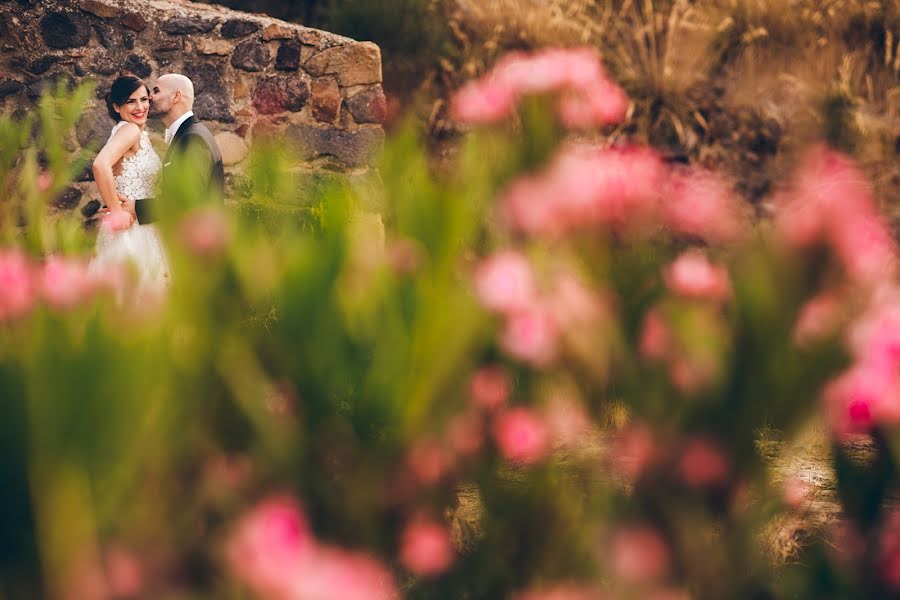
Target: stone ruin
254,77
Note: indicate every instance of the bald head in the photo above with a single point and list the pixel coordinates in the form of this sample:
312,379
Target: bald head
171,97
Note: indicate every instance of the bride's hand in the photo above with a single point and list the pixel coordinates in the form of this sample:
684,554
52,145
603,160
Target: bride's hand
116,221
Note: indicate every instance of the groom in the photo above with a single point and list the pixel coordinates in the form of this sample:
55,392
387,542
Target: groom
172,101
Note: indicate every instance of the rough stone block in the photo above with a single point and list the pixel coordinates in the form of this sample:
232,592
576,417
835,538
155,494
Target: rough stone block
251,55
62,30
134,21
354,64
138,65
207,76
94,128
69,199
167,48
279,94
353,148
236,28
100,9
213,107
90,209
368,106
213,46
277,32
288,56
325,99
234,149
9,87
43,64
183,25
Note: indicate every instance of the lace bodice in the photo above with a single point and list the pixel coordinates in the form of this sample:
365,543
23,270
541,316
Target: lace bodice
138,177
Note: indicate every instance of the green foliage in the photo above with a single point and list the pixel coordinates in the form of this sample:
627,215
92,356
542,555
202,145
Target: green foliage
315,348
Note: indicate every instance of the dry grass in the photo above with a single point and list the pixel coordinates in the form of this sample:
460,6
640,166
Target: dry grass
729,83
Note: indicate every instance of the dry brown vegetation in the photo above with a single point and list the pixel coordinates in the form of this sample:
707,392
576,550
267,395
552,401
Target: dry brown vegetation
727,83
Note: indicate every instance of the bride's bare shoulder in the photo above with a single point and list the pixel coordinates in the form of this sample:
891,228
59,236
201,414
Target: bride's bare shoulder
125,130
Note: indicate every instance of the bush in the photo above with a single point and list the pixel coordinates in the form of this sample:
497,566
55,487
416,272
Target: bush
579,342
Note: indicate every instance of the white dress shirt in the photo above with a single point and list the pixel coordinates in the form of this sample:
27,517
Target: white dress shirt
173,128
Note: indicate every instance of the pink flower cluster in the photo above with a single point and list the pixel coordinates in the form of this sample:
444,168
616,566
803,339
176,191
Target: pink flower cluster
425,547
693,276
61,282
587,187
273,551
587,97
206,232
830,202
535,323
868,393
692,364
697,462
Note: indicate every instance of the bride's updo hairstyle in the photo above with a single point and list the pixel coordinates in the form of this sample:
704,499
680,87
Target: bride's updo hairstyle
120,90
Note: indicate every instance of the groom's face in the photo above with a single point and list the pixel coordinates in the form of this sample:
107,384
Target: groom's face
161,99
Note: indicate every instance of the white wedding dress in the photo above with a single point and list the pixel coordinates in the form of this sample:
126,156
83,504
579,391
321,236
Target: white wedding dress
139,247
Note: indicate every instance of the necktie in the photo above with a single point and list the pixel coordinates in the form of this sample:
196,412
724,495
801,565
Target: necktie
168,136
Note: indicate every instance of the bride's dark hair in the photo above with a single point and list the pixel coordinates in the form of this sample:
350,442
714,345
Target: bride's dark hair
120,90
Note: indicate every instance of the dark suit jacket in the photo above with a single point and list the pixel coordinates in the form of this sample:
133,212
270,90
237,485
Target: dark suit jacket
192,134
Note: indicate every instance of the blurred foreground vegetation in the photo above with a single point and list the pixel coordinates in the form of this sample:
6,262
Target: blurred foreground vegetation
295,418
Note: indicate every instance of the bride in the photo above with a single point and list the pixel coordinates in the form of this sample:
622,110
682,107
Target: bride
127,168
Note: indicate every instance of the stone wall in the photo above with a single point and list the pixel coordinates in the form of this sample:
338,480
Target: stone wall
254,76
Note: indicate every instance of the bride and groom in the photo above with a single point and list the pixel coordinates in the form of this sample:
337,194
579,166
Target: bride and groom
127,172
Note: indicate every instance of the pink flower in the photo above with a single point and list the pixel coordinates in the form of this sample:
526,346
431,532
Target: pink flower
818,318
875,336
482,102
64,282
267,546
692,373
703,464
531,335
586,187
656,338
633,451
16,286
866,394
504,282
44,181
693,276
521,436
573,304
465,432
563,591
114,221
528,205
206,232
698,202
328,572
490,387
124,572
604,103
588,97
567,421
429,461
866,248
830,201
639,555
425,548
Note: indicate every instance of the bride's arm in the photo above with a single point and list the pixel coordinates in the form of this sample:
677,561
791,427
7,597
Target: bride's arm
126,137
